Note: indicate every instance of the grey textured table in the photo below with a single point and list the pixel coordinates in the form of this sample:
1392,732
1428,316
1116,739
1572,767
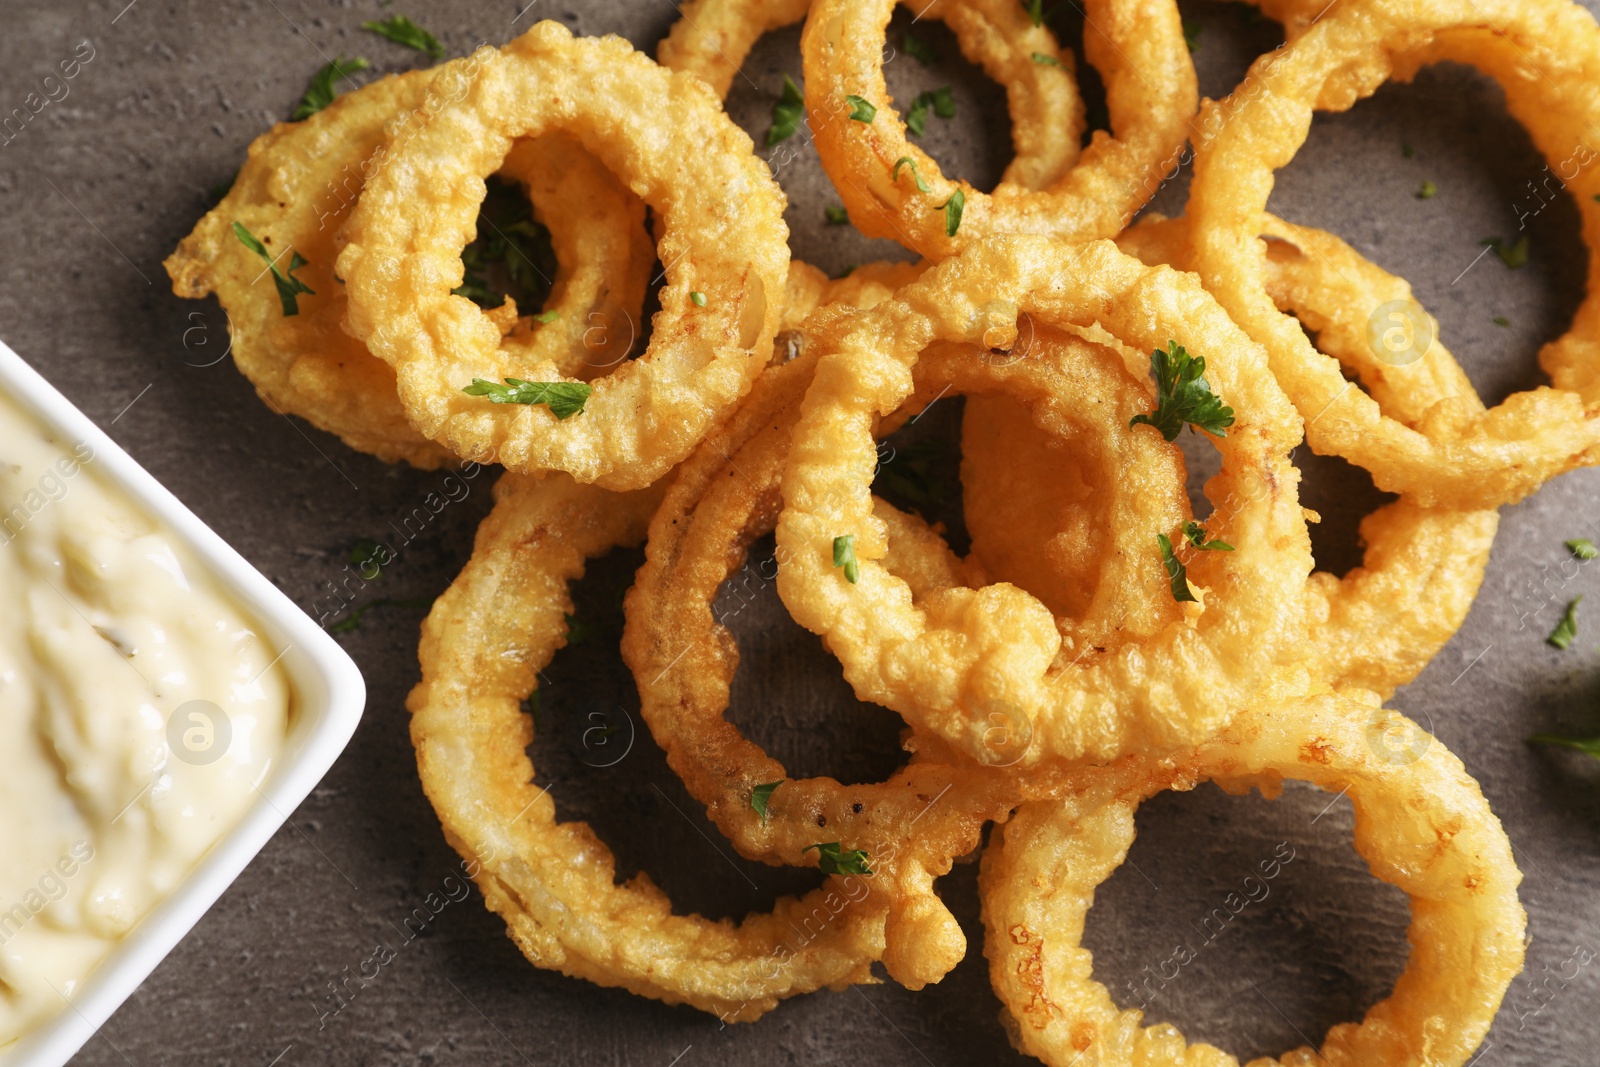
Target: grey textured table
99,188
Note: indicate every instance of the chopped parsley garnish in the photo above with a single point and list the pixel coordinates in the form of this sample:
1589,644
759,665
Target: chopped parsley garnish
1428,191
547,317
369,556
1191,35
565,399
1247,14
918,49
909,474
1500,320
289,287
894,175
1567,628
861,109
1582,547
402,30
1035,10
844,555
1196,535
1590,745
1512,255
942,102
510,248
786,113
1183,395
319,94
837,216
952,209
833,861
352,621
1176,572
1045,60
220,191
697,298
761,796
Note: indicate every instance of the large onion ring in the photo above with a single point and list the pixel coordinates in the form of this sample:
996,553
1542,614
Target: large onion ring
1379,625
721,235
1137,46
1422,824
483,644
943,665
1541,53
295,192
712,37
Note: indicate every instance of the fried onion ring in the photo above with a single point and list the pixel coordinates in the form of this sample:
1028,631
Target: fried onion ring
1114,177
482,648
1422,824
295,192
1379,625
712,38
1540,53
721,235
944,664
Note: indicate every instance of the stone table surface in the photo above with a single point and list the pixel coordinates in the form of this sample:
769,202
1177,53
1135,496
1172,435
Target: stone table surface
99,187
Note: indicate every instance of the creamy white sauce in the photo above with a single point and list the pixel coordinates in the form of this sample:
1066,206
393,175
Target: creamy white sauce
108,627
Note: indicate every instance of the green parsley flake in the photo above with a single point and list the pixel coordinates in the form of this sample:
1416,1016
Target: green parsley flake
837,216
861,109
1428,191
508,239
786,113
912,473
952,209
1582,547
1191,35
402,30
844,555
565,399
1035,10
1567,628
1590,745
1183,396
352,621
1196,535
319,94
1048,61
1176,572
1500,320
547,317
918,49
761,796
833,861
369,556
1512,255
894,175
697,298
940,100
289,287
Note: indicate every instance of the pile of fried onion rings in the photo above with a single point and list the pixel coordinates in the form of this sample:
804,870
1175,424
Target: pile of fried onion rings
1100,643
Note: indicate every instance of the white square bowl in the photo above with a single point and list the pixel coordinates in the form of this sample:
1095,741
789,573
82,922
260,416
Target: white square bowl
329,695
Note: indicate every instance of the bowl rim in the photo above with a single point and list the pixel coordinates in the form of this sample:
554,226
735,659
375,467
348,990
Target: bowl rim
329,697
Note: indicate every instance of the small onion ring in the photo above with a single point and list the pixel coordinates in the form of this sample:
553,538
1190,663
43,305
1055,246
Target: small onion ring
942,664
296,190
483,645
721,235
1114,177
712,38
1493,458
1422,824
